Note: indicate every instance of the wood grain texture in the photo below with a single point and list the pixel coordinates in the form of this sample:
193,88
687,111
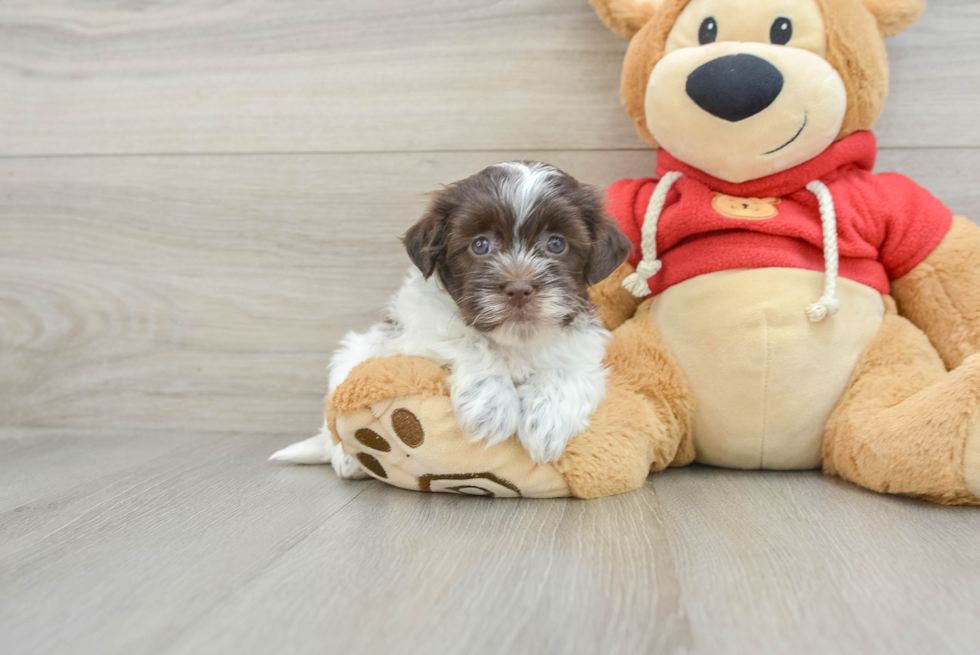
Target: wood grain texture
207,292
207,549
195,76
124,561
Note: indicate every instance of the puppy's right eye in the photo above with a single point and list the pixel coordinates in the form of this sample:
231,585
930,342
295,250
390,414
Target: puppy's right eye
556,245
481,246
709,31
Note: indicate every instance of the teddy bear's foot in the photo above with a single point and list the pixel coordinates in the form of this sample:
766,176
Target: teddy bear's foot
905,424
395,419
413,442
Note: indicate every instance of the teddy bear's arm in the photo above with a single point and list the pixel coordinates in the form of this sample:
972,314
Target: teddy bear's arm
644,423
614,304
942,294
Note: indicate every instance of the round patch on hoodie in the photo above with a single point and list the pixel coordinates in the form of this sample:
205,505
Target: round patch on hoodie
746,209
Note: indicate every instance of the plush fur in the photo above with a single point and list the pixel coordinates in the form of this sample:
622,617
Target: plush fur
625,17
376,380
903,424
942,294
645,423
895,16
613,306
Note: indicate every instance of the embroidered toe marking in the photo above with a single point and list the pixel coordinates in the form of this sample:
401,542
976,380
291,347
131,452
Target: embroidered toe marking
474,484
372,440
471,490
372,465
407,427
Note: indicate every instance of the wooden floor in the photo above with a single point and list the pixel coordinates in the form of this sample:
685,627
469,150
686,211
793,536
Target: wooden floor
197,198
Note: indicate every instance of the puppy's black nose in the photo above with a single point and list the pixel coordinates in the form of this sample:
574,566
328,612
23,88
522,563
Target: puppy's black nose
518,293
735,87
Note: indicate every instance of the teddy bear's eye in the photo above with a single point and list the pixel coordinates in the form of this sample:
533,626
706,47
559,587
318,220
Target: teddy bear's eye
709,30
781,31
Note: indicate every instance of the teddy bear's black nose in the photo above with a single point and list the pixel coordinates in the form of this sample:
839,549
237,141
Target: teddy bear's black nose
735,87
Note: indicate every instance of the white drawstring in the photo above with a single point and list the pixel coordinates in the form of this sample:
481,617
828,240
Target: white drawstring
828,303
638,283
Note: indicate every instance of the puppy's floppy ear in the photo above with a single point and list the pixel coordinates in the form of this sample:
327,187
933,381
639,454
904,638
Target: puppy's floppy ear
610,249
426,240
609,246
895,16
625,17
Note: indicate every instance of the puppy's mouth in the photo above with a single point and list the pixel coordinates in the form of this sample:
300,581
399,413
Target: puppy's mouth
523,315
795,136
515,324
528,319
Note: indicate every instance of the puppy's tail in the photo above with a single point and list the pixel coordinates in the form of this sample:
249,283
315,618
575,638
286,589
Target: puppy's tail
318,449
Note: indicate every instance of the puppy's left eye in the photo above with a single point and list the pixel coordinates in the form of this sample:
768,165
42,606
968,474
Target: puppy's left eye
781,31
481,246
556,245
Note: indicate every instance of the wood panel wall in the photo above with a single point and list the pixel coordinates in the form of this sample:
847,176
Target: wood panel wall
197,198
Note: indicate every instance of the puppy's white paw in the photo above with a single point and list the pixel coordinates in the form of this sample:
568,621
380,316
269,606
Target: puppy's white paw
346,466
487,408
548,421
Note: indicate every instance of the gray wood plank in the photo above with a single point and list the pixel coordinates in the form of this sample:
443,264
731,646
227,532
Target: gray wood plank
62,459
379,75
209,549
205,293
699,561
124,562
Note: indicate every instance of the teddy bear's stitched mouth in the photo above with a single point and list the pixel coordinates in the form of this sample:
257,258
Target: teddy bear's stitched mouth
795,137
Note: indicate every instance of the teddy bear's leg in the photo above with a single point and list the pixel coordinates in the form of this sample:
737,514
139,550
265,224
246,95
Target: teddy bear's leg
905,424
643,424
942,294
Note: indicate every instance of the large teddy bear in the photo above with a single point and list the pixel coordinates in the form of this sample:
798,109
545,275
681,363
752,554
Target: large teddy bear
784,307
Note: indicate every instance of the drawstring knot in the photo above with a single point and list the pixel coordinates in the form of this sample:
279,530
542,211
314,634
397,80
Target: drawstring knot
638,283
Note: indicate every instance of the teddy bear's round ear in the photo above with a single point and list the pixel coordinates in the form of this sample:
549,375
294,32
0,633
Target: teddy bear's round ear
625,17
895,16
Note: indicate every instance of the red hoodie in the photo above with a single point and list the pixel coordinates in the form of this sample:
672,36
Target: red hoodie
886,223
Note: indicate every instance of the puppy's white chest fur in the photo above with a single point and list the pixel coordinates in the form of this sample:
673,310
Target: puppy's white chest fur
544,388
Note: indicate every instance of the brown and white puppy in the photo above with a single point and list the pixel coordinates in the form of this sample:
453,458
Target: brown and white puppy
499,295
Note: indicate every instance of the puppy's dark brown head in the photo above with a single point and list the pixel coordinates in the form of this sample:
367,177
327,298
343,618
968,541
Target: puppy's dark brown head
516,246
